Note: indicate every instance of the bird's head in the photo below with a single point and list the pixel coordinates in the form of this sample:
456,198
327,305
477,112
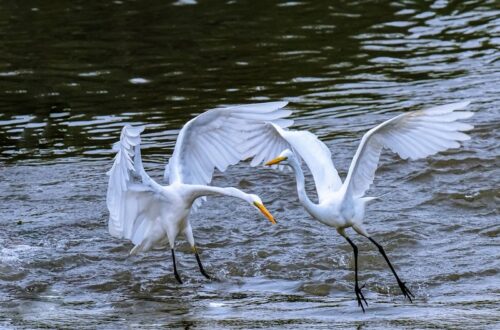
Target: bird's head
284,158
257,203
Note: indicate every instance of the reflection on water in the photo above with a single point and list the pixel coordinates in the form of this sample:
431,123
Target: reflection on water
73,74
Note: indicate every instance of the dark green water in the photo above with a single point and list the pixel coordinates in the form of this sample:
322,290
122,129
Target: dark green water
72,73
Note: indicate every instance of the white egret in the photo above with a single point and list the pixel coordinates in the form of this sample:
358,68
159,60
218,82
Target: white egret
411,135
147,213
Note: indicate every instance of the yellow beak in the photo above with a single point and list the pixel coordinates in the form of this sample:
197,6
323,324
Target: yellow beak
276,160
264,211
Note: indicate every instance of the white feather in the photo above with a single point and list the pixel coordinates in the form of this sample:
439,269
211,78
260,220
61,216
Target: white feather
411,135
132,195
306,145
214,139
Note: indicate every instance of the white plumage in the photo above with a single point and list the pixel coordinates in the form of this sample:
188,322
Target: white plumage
411,135
315,153
148,213
215,139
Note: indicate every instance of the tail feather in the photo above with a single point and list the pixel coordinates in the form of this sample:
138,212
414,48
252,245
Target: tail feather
136,249
369,199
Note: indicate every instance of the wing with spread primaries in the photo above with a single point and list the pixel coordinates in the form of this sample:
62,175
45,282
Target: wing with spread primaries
270,140
214,139
413,135
133,198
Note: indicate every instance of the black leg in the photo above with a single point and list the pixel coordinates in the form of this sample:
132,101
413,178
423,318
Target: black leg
199,263
406,292
177,277
357,289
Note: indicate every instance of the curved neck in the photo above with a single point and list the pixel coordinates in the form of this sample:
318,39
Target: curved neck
301,189
196,191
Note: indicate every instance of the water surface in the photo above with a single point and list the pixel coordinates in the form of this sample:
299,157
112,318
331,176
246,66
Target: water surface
73,73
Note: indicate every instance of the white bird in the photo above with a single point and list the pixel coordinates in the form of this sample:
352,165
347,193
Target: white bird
411,135
147,213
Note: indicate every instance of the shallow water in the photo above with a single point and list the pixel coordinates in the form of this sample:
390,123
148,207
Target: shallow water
72,75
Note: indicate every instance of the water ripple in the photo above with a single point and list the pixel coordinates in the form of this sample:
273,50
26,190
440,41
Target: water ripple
77,73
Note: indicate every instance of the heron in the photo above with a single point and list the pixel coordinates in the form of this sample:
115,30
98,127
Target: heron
149,213
412,135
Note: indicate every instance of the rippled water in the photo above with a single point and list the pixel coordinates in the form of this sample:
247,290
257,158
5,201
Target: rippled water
72,74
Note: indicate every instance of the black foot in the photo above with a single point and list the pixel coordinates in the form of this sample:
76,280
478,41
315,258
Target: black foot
406,292
202,271
178,278
360,297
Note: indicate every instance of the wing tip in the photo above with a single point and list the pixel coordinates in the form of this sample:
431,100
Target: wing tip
271,105
282,104
130,130
274,104
447,108
280,123
113,231
458,105
464,103
467,114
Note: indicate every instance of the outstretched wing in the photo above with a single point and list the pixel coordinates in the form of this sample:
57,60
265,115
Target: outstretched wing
271,139
413,135
133,197
214,139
